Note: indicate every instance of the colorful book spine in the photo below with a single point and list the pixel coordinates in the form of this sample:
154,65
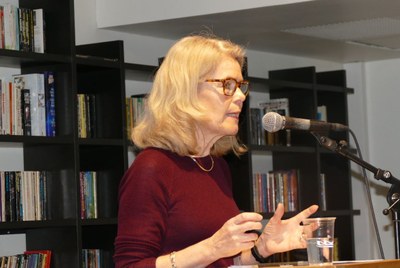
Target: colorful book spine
50,97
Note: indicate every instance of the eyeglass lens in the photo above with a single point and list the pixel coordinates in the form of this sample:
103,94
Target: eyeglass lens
230,86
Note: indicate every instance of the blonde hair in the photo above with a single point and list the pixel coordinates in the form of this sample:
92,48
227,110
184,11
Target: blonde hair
172,111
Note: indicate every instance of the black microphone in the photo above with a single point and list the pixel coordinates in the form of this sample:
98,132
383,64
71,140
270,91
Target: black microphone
273,122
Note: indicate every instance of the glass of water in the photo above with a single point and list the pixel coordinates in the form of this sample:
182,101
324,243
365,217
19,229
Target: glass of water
319,234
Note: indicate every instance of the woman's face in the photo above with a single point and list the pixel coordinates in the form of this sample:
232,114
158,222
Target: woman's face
223,111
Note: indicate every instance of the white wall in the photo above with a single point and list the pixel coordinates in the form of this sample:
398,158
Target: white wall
373,93
364,232
375,117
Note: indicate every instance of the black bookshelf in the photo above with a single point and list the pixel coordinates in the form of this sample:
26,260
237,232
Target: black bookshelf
306,89
54,154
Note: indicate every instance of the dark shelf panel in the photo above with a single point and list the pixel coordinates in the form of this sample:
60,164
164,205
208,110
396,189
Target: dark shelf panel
96,222
334,213
22,225
96,62
97,141
279,148
16,59
262,84
12,140
139,72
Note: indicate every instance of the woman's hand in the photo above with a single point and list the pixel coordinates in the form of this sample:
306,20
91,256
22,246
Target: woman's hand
283,235
234,236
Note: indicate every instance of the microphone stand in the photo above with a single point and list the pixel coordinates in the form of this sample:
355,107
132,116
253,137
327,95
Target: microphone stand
393,195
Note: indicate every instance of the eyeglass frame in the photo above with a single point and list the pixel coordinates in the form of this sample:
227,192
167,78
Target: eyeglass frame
237,85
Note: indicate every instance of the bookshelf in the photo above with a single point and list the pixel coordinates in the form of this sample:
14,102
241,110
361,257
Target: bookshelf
52,154
97,69
306,89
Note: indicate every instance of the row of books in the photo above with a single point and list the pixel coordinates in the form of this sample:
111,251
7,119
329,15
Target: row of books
275,187
23,196
28,105
135,106
93,258
88,198
30,259
87,116
261,137
22,29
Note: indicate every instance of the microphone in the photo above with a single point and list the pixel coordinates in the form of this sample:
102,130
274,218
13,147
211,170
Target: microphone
273,122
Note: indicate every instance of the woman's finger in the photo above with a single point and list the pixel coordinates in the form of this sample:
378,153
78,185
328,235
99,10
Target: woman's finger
306,213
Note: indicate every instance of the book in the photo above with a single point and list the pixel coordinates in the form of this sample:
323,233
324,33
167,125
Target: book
6,106
10,26
35,83
2,45
88,194
321,113
39,31
10,100
2,197
17,127
26,112
50,98
21,26
1,106
12,202
82,115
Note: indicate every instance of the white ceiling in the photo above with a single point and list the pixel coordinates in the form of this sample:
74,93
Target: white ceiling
336,30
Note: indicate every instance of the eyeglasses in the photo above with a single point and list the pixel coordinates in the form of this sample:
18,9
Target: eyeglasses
230,85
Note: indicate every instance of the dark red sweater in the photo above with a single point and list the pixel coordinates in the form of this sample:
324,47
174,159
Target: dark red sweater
167,203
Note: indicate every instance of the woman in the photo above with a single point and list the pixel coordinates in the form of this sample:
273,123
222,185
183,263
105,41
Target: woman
175,202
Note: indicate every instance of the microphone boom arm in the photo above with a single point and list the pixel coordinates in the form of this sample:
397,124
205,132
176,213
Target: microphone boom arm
341,149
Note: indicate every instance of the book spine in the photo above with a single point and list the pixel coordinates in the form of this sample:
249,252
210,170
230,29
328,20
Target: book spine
2,107
39,31
26,112
50,98
9,27
2,45
11,111
18,112
3,197
7,103
38,112
88,116
82,193
7,196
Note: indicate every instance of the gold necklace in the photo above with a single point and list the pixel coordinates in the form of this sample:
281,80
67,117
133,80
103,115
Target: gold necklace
203,168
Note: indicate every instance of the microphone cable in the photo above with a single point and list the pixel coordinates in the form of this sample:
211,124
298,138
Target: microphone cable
367,188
